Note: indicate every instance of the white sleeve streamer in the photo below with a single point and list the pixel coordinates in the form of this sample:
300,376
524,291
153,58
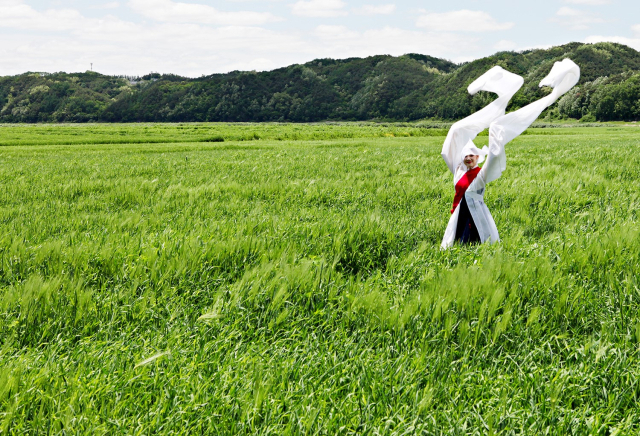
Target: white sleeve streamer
496,80
563,76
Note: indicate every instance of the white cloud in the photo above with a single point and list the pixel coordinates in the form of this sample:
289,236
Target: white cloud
14,14
176,12
119,47
376,9
575,19
126,48
631,42
636,29
65,40
505,45
110,5
319,8
335,32
463,21
589,2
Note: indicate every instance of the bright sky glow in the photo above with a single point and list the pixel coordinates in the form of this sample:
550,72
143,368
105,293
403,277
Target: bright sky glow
200,37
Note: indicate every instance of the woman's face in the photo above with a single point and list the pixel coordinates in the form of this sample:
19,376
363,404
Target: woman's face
471,160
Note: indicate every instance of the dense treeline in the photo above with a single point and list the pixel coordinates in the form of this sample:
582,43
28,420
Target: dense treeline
408,87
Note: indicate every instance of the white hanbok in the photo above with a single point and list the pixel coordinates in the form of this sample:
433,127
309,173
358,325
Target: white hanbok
502,129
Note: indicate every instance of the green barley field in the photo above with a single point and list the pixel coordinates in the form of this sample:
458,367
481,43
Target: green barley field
287,279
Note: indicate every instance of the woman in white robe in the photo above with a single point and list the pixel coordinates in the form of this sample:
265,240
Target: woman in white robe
502,129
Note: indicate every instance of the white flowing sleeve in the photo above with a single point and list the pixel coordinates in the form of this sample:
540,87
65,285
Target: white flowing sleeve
496,80
563,76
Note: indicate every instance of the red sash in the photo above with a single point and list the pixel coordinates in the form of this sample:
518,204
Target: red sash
463,184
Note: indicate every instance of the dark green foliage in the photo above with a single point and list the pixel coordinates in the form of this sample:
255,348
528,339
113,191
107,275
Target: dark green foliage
604,99
383,87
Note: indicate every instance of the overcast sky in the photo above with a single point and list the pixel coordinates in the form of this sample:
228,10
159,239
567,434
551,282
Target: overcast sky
200,37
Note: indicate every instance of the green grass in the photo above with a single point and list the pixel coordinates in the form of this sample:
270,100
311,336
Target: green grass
148,133
295,284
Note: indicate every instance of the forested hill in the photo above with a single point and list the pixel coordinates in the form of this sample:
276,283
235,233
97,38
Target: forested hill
408,87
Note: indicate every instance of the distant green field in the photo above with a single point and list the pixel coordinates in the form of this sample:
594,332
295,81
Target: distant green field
288,279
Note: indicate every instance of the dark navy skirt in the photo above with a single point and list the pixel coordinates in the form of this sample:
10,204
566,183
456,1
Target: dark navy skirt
466,231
